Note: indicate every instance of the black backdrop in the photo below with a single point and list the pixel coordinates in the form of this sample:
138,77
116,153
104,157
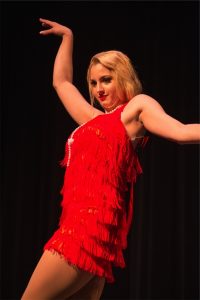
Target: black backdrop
162,40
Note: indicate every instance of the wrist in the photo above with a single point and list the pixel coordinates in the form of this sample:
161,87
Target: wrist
67,34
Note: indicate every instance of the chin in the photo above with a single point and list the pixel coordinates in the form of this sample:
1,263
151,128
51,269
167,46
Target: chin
111,105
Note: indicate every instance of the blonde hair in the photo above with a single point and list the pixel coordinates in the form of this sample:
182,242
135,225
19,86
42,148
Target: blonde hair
128,83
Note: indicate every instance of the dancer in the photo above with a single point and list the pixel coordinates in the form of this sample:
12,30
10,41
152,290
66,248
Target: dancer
101,167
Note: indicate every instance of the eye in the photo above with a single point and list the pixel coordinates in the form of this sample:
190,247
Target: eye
93,82
107,79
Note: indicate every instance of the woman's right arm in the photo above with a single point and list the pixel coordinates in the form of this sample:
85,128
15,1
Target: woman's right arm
76,105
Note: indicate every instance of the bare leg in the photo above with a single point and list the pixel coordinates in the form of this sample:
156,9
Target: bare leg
54,278
91,291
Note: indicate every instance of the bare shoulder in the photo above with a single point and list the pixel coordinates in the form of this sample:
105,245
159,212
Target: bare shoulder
139,104
97,112
142,100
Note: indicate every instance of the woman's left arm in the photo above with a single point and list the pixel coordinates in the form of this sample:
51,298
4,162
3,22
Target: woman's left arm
158,122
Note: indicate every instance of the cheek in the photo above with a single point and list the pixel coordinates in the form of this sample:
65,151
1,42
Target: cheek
94,94
92,91
113,90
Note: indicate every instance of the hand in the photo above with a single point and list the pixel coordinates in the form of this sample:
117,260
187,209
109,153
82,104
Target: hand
54,28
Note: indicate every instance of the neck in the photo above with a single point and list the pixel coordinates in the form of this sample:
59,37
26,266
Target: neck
112,106
112,110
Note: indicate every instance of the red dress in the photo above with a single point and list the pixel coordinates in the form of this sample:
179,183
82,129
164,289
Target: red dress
100,165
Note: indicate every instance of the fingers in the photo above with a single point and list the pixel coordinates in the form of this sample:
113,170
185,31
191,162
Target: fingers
55,28
46,32
45,25
48,25
46,22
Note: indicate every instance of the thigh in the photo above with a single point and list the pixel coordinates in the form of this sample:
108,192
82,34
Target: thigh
91,291
54,278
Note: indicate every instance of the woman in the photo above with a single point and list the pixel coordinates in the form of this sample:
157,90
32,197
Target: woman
101,167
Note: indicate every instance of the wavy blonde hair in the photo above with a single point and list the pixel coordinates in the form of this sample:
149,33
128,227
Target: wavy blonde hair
128,83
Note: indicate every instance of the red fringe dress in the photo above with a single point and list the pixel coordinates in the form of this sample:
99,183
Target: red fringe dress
100,164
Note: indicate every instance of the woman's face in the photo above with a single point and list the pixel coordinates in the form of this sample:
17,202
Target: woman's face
104,87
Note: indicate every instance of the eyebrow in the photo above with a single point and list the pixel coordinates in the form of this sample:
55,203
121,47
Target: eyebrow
102,77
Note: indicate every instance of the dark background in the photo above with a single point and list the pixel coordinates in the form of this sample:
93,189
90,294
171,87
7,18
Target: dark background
161,38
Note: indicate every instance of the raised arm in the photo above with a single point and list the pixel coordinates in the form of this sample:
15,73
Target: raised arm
76,105
158,122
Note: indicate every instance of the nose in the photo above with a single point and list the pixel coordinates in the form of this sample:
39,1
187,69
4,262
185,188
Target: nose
100,89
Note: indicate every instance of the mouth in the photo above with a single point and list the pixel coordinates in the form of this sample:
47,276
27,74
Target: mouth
102,98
